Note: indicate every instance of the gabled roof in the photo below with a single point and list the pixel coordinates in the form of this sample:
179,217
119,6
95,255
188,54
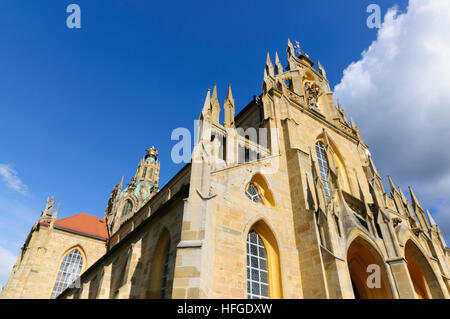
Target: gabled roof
84,224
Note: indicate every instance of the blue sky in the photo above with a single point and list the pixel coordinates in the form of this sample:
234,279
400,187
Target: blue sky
79,107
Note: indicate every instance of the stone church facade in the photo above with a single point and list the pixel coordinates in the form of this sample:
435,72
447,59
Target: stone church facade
282,200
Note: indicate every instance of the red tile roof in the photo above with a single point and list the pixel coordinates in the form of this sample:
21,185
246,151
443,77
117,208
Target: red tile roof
85,224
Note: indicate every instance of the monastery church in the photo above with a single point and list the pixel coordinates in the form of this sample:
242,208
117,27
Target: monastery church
282,200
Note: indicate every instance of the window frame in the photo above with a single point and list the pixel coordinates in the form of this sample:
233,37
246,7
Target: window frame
256,251
124,206
60,264
324,167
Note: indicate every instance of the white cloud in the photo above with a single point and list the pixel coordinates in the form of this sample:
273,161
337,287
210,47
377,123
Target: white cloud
11,179
399,95
7,261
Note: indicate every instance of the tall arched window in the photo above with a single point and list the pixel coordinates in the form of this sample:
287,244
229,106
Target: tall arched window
257,273
127,208
159,267
323,166
164,275
263,263
69,272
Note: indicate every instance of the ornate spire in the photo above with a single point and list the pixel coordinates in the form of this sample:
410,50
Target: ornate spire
353,123
278,65
207,105
392,185
269,67
340,106
414,199
431,219
120,184
228,106
355,129
291,56
418,210
322,70
290,49
404,199
215,106
342,112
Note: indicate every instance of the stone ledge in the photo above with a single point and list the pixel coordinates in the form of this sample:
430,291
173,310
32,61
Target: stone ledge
190,244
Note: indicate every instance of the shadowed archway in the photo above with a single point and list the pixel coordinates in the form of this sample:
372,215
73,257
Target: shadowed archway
422,275
360,256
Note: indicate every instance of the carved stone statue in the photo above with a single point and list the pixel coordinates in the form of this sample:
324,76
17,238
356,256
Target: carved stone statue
49,207
111,200
132,185
312,95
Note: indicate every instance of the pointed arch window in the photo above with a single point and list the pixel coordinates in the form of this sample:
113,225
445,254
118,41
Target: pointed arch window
257,190
323,166
68,273
159,268
144,172
164,275
127,208
257,273
151,173
252,193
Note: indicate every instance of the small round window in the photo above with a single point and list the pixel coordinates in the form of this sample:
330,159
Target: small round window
253,194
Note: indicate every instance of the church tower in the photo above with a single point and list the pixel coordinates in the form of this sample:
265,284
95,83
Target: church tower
124,203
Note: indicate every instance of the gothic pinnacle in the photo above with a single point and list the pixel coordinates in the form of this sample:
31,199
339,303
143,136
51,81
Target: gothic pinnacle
207,103
340,106
55,214
229,93
269,66
215,106
414,198
229,109
402,195
392,185
322,70
214,94
352,123
278,65
268,61
430,219
290,49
